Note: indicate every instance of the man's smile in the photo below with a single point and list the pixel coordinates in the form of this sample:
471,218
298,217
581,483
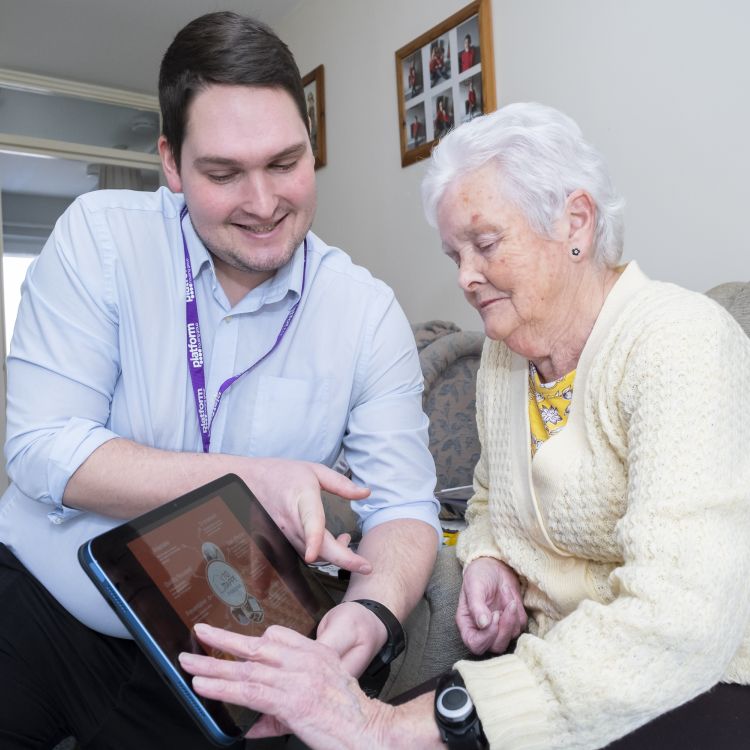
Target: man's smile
258,228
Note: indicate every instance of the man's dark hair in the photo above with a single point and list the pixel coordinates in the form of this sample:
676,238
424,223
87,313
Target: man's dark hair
222,48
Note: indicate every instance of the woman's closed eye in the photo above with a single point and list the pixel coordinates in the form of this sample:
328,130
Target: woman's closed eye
487,244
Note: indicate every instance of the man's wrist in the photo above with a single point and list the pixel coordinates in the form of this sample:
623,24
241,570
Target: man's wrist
395,641
377,632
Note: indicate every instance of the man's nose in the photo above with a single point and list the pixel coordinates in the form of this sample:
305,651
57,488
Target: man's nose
259,198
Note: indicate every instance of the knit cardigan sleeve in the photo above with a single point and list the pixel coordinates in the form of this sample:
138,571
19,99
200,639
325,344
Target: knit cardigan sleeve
681,603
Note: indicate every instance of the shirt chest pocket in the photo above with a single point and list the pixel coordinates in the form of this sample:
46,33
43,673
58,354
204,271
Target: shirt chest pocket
291,419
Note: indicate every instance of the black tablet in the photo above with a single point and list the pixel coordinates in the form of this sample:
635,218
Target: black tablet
213,555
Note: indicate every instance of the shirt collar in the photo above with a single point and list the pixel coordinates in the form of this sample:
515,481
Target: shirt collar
200,258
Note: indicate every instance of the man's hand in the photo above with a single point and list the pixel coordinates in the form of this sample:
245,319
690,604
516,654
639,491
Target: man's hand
490,608
355,633
290,492
123,479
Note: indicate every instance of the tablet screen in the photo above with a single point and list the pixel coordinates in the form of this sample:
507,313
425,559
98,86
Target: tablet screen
211,556
209,569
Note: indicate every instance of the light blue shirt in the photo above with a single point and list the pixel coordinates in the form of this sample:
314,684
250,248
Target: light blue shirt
99,351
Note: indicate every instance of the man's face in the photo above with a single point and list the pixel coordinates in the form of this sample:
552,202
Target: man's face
247,173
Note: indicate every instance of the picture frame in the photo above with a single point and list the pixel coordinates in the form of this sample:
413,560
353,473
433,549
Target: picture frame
314,87
444,77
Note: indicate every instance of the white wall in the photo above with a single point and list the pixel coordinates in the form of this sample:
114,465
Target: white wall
368,204
662,88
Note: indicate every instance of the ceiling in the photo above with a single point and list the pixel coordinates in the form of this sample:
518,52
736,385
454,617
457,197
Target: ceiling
116,43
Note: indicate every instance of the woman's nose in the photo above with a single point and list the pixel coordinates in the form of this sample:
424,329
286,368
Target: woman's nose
469,274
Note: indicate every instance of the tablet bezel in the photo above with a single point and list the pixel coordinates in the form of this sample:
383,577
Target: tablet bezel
162,635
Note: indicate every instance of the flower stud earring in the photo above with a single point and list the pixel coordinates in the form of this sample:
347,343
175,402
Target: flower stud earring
575,251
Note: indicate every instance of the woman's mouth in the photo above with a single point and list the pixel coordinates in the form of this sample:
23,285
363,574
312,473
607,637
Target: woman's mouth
485,303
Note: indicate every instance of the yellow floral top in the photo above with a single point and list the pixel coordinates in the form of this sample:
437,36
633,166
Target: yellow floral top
549,405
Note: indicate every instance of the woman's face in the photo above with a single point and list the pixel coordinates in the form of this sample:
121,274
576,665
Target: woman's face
515,278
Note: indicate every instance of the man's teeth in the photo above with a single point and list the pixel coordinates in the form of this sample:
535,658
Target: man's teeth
259,228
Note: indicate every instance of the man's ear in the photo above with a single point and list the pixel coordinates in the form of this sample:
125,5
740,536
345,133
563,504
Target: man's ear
580,211
169,165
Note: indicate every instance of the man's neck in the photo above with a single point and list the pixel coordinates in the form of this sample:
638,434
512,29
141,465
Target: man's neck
238,284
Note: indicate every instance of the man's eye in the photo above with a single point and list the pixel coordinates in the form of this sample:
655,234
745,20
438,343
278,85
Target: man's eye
284,166
223,177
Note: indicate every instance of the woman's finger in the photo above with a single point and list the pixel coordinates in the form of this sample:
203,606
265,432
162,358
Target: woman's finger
478,594
275,641
267,726
208,666
255,695
508,628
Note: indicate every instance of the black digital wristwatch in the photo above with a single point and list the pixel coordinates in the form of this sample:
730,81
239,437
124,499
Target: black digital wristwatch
374,677
456,716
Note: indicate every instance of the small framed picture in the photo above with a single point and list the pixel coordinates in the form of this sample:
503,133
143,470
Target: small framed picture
444,77
416,123
314,87
411,70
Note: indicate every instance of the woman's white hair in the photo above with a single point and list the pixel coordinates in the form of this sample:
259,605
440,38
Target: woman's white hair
541,157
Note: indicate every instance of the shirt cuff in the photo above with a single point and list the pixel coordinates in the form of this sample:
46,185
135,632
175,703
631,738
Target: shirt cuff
511,706
73,445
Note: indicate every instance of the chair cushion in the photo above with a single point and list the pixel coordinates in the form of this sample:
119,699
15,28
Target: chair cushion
735,297
449,365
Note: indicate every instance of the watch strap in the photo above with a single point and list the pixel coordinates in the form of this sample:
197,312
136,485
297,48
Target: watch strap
464,735
396,640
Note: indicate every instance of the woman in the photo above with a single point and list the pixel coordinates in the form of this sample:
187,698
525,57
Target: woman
611,515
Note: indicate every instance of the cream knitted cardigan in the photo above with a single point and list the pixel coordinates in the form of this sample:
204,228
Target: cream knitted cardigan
630,530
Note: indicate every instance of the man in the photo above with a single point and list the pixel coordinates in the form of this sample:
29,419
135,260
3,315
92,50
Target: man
469,55
116,405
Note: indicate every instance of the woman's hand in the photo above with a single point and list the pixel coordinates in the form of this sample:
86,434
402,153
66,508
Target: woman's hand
290,493
299,684
490,608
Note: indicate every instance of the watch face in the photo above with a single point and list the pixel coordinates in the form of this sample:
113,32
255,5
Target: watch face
454,704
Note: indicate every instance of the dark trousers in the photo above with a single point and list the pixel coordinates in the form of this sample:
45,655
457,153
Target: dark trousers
59,678
718,719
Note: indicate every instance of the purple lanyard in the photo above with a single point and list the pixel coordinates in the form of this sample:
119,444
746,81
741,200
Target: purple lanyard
195,348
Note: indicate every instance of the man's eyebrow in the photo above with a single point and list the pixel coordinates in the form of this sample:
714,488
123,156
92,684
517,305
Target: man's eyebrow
296,150
215,161
222,161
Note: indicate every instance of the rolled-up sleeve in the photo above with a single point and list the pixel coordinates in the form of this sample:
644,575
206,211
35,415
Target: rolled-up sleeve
386,444
63,360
